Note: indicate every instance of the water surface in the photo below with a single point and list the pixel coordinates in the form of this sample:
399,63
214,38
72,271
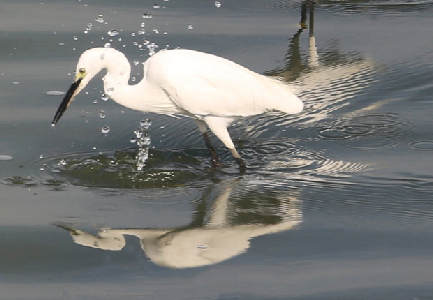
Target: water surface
336,201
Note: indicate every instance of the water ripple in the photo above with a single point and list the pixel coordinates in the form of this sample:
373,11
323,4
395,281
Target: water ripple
327,89
390,7
119,169
286,160
369,131
426,145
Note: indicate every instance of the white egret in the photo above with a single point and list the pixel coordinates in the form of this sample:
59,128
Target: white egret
212,90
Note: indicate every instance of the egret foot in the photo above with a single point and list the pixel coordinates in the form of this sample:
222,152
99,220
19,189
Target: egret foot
303,25
242,165
239,160
214,157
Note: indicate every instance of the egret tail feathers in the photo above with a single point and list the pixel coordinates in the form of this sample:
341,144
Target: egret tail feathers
281,97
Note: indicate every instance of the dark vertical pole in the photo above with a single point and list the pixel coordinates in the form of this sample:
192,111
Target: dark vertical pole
303,22
311,5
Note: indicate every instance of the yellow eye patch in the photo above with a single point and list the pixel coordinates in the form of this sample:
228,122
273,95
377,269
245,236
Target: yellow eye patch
81,74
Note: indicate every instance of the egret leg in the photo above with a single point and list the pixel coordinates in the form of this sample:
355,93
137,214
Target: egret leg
239,160
203,129
214,157
219,127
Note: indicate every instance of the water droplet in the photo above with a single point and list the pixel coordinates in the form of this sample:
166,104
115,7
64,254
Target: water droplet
102,114
147,15
155,30
54,93
105,129
119,39
5,157
190,27
146,42
217,4
100,19
152,48
104,97
133,140
95,101
86,31
142,24
136,62
41,156
133,78
141,32
15,82
61,163
61,44
75,37
156,6
93,148
145,124
133,34
107,45
113,32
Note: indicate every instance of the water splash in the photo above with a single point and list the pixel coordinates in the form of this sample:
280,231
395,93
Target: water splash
105,130
100,19
6,157
113,32
54,93
143,143
147,15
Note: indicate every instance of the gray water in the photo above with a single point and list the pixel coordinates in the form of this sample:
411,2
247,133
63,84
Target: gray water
336,202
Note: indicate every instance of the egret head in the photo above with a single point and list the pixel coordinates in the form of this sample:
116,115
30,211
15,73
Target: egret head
91,62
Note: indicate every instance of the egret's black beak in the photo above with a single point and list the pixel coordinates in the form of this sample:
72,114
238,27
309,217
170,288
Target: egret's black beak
67,228
66,101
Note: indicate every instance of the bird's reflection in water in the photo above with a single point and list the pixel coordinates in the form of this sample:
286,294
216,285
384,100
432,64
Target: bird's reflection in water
213,236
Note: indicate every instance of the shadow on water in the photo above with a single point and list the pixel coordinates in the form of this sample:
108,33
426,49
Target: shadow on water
222,226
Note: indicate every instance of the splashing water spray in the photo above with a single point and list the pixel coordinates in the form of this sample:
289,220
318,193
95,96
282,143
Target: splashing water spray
143,143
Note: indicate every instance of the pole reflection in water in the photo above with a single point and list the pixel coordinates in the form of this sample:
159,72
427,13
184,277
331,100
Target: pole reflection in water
325,79
213,236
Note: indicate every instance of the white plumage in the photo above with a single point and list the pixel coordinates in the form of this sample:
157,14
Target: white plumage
212,90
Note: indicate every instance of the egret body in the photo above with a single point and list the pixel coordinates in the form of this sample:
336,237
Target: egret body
212,90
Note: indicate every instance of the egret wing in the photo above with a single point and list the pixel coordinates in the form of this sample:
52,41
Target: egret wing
204,84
